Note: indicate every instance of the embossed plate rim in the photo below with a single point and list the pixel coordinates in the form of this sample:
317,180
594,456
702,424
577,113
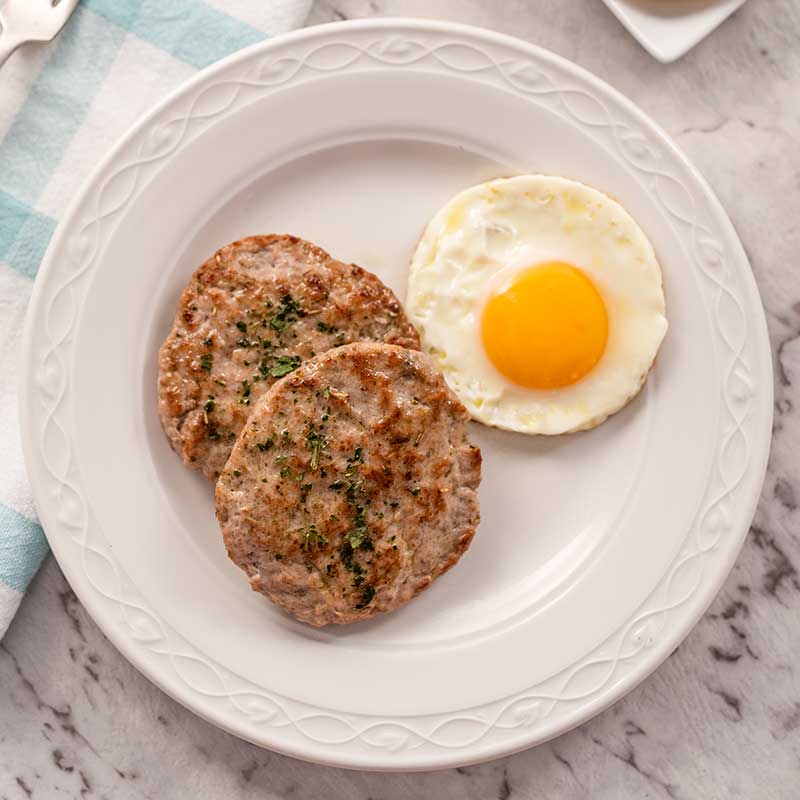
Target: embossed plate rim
375,742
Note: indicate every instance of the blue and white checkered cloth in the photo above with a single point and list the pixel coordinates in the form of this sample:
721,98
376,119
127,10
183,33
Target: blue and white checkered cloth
62,105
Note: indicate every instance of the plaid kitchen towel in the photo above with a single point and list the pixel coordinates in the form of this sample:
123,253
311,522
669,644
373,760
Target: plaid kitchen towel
62,105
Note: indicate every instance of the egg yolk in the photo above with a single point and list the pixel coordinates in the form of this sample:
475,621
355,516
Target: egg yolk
547,329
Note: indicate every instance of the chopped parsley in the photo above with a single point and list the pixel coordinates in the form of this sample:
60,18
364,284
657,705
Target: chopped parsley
210,405
288,312
265,445
207,342
246,389
236,473
316,443
286,472
325,328
358,576
366,596
242,326
311,537
357,538
206,362
415,491
346,556
284,365
214,435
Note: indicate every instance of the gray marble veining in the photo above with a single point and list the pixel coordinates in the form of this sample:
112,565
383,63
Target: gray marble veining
721,717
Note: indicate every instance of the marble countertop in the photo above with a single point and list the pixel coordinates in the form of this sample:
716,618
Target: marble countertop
720,718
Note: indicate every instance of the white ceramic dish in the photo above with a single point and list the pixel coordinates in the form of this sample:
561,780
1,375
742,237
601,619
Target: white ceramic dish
668,29
597,552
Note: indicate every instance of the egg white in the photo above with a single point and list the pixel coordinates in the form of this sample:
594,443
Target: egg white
480,239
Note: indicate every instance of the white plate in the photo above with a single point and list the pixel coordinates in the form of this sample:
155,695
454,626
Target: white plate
597,552
667,29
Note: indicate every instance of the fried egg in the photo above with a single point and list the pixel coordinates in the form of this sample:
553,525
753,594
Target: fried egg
541,301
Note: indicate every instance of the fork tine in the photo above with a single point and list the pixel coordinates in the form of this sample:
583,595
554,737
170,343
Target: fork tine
27,21
64,9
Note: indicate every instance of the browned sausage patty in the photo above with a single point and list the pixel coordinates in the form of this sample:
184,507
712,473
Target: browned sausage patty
251,314
352,486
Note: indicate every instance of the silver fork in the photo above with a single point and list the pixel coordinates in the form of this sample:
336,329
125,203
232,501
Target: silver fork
31,21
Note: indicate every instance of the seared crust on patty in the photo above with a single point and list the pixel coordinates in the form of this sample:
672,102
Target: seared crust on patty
352,486
252,313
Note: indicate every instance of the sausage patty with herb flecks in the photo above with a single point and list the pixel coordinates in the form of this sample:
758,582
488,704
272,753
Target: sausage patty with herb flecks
352,486
251,314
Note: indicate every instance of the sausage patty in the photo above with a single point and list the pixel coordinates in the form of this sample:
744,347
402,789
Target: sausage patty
251,314
352,486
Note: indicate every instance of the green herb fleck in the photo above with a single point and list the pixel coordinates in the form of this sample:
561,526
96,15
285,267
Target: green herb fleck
358,577
236,473
278,557
357,537
316,443
286,472
210,405
214,435
325,328
366,596
346,555
311,536
415,491
265,445
242,326
284,365
206,362
288,312
207,342
246,389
